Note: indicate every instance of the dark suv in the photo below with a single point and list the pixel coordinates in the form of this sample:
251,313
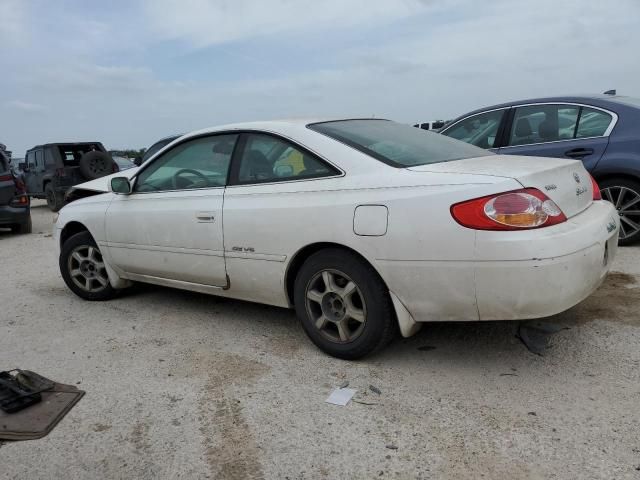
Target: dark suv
51,169
603,131
15,211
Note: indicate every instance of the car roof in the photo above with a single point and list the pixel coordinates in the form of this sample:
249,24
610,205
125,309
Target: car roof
275,125
594,99
57,144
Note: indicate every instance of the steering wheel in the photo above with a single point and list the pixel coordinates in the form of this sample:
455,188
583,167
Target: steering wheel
174,179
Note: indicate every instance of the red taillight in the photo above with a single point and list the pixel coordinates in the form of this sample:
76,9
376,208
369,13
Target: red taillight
60,172
20,186
517,210
20,201
596,189
6,178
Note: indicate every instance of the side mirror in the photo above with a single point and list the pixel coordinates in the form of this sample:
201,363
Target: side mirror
120,185
137,161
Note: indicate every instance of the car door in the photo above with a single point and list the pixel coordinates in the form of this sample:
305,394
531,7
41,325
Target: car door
30,174
560,130
482,129
271,181
170,226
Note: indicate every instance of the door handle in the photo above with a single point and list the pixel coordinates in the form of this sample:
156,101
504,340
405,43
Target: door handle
578,152
204,217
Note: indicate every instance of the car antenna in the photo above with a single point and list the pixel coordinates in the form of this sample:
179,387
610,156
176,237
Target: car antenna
610,92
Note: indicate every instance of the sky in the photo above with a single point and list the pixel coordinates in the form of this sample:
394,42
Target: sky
129,72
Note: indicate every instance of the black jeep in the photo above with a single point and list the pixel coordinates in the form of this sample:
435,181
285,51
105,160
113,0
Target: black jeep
51,169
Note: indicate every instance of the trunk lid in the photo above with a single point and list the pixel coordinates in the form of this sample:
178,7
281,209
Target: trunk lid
566,182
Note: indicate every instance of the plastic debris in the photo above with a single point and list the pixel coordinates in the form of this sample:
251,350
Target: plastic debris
341,396
375,389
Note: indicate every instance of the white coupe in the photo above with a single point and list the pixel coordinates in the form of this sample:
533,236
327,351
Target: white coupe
363,226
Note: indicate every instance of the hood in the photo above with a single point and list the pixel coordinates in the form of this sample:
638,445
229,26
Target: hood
102,184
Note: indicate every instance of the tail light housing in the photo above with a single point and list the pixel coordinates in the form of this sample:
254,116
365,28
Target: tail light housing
596,189
60,172
19,201
516,210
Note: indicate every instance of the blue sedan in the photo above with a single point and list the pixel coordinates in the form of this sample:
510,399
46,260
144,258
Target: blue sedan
601,130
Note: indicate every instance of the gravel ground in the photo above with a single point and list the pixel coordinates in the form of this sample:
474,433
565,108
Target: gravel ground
183,385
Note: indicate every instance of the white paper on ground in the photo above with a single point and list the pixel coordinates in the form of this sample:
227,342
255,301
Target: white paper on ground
341,396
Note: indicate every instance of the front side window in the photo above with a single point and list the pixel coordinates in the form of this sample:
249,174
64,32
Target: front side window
198,163
266,158
593,123
480,130
396,144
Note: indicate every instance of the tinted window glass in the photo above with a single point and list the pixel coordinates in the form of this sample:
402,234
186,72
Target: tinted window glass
479,130
396,144
71,154
199,163
271,159
543,123
593,123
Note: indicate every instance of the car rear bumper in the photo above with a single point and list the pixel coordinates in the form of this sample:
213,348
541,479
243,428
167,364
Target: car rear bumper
14,215
514,275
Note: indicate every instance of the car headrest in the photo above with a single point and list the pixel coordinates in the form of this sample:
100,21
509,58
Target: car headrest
523,128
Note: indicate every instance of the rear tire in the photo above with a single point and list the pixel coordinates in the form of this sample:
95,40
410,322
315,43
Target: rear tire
23,228
83,270
55,200
625,196
343,305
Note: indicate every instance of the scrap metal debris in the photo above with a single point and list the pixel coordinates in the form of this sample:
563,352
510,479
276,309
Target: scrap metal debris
375,389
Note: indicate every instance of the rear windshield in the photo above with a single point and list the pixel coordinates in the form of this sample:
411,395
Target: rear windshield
4,163
71,154
396,144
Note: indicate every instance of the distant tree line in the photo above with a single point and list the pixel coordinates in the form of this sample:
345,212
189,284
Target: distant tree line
129,153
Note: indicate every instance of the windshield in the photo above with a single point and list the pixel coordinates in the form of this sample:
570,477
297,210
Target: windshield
396,144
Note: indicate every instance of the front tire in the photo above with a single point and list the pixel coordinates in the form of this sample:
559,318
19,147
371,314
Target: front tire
343,305
625,196
83,270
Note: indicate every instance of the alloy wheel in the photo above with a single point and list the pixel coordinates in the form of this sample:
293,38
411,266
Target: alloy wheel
336,306
87,269
627,203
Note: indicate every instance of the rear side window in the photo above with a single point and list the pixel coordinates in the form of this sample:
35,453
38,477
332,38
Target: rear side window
396,144
480,130
266,158
71,154
543,123
593,123
553,122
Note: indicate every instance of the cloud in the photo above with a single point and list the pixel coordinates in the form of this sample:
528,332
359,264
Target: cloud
211,22
13,22
128,77
26,106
